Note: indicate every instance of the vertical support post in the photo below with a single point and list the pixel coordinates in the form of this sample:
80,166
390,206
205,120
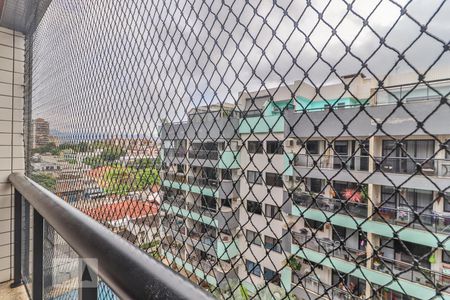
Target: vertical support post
88,281
38,255
17,239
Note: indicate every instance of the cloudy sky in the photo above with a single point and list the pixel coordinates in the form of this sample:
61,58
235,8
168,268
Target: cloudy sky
122,66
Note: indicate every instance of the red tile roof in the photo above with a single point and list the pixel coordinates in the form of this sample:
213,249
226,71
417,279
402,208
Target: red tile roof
120,210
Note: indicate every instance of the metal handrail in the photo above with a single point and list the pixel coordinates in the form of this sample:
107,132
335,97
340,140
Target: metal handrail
129,272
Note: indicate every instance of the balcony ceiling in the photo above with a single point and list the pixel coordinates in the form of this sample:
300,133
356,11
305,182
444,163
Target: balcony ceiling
13,14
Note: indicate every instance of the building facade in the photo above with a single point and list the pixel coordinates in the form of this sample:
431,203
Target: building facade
40,132
298,199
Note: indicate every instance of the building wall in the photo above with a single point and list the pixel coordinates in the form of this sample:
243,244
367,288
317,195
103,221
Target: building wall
11,137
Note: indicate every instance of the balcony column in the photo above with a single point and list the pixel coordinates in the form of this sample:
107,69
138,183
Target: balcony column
373,193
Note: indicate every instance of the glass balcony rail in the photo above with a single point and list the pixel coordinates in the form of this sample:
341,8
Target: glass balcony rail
407,165
252,113
435,222
433,90
337,162
204,154
398,165
332,205
328,246
175,201
171,152
173,177
205,182
408,271
226,211
318,287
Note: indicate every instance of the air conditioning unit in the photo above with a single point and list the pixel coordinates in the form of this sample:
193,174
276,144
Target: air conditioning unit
289,142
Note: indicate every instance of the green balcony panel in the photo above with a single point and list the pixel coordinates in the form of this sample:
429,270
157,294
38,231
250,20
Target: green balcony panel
229,160
383,279
407,234
190,188
262,124
189,214
188,267
226,250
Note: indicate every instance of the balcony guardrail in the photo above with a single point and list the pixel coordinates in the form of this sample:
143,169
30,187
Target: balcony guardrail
204,182
327,291
337,162
171,152
435,222
410,272
204,154
397,165
328,246
332,205
148,278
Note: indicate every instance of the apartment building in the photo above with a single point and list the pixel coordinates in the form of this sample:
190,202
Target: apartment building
40,132
345,182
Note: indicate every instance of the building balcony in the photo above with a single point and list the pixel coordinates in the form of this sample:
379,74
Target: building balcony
172,152
389,171
222,189
317,201
224,218
90,243
328,246
408,271
228,159
223,247
310,287
354,215
434,222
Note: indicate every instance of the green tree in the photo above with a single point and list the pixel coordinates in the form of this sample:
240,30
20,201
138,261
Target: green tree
45,179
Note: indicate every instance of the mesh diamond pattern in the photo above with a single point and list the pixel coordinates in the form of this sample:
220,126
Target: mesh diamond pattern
263,149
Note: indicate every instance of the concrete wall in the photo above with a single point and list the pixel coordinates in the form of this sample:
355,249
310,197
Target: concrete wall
11,137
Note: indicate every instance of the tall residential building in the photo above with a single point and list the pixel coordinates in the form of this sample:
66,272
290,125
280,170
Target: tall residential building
291,195
40,132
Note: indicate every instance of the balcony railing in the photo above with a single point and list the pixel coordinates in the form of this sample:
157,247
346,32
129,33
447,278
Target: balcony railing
204,182
418,219
397,165
102,251
332,205
328,246
204,154
337,162
318,287
410,272
171,152
174,177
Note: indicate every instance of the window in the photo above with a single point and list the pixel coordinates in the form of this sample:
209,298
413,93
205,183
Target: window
445,257
253,238
274,147
447,202
274,179
272,211
226,202
255,147
312,147
253,268
315,185
227,174
254,177
272,244
254,207
313,224
271,276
